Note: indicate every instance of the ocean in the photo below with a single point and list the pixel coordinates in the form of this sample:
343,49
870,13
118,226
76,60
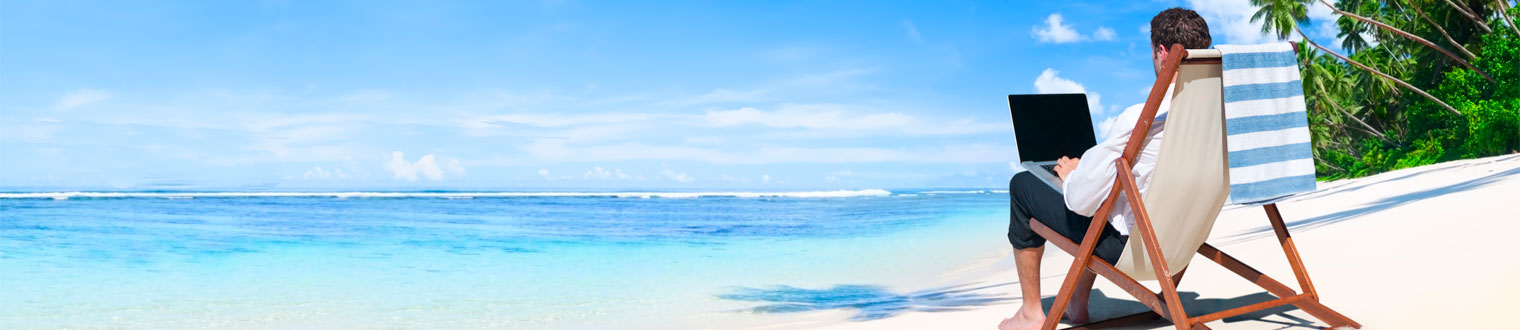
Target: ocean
498,260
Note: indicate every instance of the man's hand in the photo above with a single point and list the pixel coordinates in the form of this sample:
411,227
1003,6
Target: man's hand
1064,166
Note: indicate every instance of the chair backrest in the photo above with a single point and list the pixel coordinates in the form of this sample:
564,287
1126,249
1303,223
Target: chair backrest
1191,179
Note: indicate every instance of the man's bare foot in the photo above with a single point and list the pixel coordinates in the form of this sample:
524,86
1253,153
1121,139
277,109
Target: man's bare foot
1025,319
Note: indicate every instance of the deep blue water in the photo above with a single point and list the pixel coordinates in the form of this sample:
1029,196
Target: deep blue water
482,262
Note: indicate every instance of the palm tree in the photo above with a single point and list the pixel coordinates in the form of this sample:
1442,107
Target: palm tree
1282,17
1327,82
1504,13
1470,15
1449,39
1406,35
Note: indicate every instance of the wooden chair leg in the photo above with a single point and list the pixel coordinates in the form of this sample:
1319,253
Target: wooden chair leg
1290,250
1147,298
1073,274
1311,306
1083,255
1153,248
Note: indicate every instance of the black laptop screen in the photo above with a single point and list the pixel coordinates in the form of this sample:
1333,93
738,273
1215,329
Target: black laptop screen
1048,126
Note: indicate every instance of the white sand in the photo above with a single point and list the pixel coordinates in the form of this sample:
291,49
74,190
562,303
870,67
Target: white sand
1422,248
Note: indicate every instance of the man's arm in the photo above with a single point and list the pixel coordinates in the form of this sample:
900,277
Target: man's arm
1086,183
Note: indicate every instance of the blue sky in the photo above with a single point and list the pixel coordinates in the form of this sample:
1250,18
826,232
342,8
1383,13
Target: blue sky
729,95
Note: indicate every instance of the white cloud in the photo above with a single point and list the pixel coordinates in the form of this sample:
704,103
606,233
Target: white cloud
545,174
1106,125
673,175
1055,32
426,167
455,167
1050,83
316,172
731,178
320,174
845,120
1231,18
1323,19
81,98
1104,34
597,173
766,178
912,31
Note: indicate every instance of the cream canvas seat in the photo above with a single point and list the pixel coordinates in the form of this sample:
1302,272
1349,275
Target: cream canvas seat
1190,182
1188,188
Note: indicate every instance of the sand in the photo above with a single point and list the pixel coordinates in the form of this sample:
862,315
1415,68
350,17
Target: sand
1421,248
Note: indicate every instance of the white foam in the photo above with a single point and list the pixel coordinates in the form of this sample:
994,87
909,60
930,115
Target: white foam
447,195
953,192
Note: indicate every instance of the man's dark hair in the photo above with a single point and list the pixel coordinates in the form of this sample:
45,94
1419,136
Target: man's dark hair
1180,26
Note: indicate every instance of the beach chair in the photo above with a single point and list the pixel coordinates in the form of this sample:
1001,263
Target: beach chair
1188,189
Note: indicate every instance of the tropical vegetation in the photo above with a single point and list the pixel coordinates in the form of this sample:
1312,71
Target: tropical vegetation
1418,81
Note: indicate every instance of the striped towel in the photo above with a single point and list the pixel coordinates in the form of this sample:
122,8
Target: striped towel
1267,128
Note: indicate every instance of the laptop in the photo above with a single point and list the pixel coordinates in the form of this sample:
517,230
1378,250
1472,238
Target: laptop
1047,127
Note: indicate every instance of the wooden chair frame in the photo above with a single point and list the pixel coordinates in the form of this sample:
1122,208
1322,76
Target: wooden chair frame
1166,304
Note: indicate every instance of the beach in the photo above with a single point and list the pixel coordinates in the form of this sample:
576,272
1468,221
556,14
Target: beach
1397,250
1418,248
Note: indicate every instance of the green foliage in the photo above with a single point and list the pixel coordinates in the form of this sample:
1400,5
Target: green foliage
1363,124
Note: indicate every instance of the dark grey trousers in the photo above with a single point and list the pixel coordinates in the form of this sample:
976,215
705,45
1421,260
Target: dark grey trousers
1030,198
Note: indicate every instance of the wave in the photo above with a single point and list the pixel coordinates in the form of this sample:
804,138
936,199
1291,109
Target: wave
447,195
953,192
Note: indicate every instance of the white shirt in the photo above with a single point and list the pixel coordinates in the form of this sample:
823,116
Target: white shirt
1088,185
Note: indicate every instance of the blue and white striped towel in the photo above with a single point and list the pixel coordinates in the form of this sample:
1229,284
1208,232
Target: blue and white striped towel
1267,128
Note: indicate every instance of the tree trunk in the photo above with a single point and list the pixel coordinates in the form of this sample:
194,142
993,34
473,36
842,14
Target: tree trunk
1471,16
1504,13
1432,22
1398,81
1410,36
1325,96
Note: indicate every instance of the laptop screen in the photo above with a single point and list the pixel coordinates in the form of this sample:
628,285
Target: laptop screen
1048,126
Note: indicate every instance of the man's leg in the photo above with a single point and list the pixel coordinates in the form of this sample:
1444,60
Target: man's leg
1031,313
1029,198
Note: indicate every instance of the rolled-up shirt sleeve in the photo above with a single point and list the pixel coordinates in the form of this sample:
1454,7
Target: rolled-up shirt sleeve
1086,187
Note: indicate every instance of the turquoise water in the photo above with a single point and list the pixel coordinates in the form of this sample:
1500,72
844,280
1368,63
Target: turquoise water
473,260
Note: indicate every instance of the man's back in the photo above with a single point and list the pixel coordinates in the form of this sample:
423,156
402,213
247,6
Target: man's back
1087,186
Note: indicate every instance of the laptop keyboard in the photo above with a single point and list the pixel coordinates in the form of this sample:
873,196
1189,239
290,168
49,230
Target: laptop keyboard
1049,167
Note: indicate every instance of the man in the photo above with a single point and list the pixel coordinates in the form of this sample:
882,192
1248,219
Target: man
1087,181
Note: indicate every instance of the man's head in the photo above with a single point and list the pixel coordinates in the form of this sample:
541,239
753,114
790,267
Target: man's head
1177,26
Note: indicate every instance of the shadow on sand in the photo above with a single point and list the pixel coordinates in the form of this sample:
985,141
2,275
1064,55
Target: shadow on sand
1379,205
875,302
872,302
1102,307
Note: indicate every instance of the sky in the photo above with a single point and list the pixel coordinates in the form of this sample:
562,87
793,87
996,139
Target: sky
561,95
